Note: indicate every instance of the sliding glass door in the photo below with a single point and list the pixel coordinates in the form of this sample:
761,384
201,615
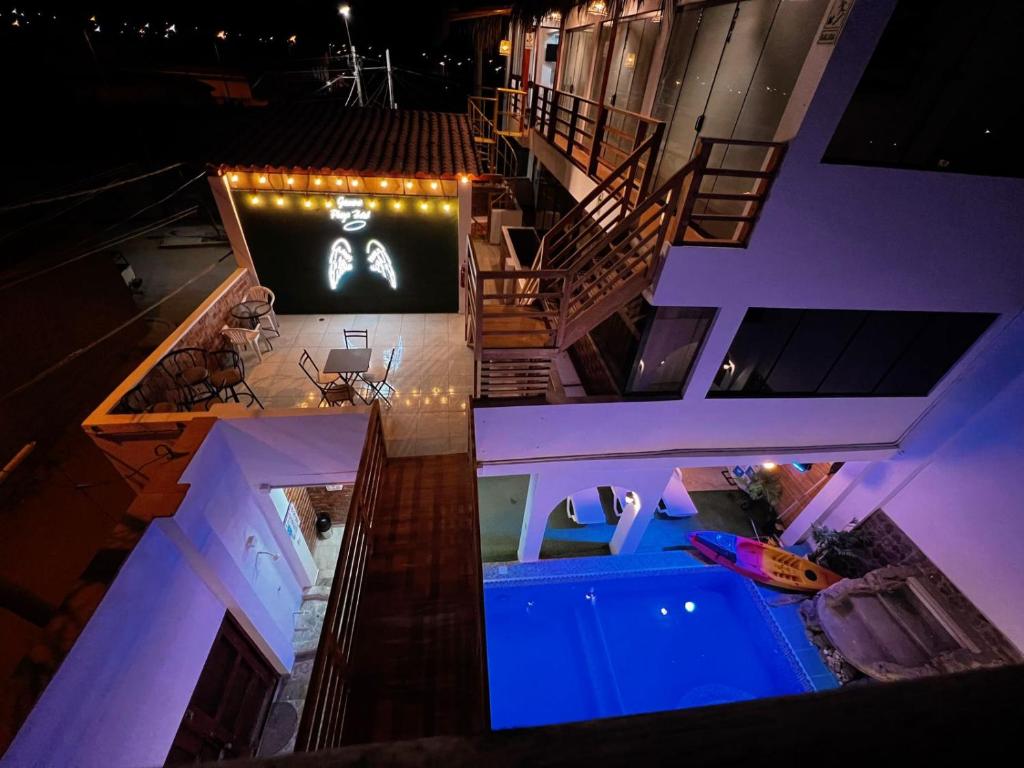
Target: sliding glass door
730,71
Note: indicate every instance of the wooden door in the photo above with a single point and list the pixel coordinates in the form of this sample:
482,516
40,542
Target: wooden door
225,716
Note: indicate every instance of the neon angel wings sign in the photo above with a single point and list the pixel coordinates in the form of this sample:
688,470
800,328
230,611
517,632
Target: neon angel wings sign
340,262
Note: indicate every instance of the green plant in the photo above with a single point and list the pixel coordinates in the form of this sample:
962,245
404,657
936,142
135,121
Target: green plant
848,553
767,486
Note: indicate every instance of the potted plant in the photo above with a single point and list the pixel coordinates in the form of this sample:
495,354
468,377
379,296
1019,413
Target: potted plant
848,553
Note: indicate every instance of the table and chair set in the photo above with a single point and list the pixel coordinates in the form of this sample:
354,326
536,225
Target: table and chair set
192,378
348,373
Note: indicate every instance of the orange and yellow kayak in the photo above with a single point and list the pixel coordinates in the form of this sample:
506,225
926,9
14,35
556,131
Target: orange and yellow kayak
769,565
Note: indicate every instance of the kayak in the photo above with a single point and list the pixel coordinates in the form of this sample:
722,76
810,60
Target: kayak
765,563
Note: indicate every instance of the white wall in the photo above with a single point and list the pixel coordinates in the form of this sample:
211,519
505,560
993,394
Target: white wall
121,692
830,237
119,696
954,488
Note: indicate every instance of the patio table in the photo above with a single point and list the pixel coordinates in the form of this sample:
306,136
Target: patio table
251,310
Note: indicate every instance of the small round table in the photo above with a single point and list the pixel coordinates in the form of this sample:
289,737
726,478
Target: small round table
251,311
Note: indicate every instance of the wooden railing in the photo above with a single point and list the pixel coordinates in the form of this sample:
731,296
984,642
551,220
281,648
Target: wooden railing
494,149
605,252
607,204
732,179
323,714
596,137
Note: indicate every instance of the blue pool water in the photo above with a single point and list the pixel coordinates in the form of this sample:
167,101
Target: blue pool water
600,646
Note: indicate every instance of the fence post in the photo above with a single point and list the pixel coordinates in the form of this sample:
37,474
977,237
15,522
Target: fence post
652,158
595,151
552,102
573,117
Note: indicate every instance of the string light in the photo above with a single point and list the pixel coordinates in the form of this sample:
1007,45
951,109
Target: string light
397,205
317,181
433,185
255,200
408,185
383,183
354,182
337,182
263,179
446,207
279,201
373,205
234,178
424,207
308,203
290,181
222,35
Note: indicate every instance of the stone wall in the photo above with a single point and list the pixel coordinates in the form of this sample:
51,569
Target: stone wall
889,544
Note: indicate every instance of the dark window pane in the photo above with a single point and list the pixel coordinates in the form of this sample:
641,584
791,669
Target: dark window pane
945,337
669,347
873,351
817,342
793,353
936,93
761,339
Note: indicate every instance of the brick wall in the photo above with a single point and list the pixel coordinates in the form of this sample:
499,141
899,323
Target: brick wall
204,334
334,503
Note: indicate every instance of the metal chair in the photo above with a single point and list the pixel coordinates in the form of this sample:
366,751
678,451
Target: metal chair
187,368
333,392
377,382
267,322
353,339
228,376
239,338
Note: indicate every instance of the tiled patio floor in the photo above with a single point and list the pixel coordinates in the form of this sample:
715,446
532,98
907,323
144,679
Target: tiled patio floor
433,373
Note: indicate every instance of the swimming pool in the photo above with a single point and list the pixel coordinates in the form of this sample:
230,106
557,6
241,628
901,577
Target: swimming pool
603,645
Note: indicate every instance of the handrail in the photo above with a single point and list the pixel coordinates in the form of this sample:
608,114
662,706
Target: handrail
590,217
323,714
593,135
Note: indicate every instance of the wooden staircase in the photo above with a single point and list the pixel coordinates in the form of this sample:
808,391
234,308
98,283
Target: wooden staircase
604,253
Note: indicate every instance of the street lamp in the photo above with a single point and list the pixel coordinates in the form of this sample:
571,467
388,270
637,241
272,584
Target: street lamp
345,11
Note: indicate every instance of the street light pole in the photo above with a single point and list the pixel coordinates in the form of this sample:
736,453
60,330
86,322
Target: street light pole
345,11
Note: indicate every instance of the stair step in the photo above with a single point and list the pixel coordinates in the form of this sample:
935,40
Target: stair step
751,197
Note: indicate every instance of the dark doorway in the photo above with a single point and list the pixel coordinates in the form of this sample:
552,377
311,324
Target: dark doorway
226,713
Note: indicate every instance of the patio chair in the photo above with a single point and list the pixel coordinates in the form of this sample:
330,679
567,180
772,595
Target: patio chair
267,322
240,338
332,391
228,376
356,339
187,369
377,382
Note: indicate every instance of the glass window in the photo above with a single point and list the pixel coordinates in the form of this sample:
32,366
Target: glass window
579,56
669,348
833,352
939,92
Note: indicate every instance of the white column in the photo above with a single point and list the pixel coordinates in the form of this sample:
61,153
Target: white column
647,486
534,522
232,225
827,500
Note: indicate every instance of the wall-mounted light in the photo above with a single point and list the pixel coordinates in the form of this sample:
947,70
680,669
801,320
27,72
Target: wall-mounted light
308,203
256,200
383,183
354,182
408,185
464,179
263,179
290,181
433,185
234,178
769,465
279,201
317,181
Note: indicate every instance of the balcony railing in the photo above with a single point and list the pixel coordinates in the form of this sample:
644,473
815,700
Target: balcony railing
323,714
596,137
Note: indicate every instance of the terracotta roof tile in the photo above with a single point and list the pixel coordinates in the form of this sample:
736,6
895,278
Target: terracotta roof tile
328,137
